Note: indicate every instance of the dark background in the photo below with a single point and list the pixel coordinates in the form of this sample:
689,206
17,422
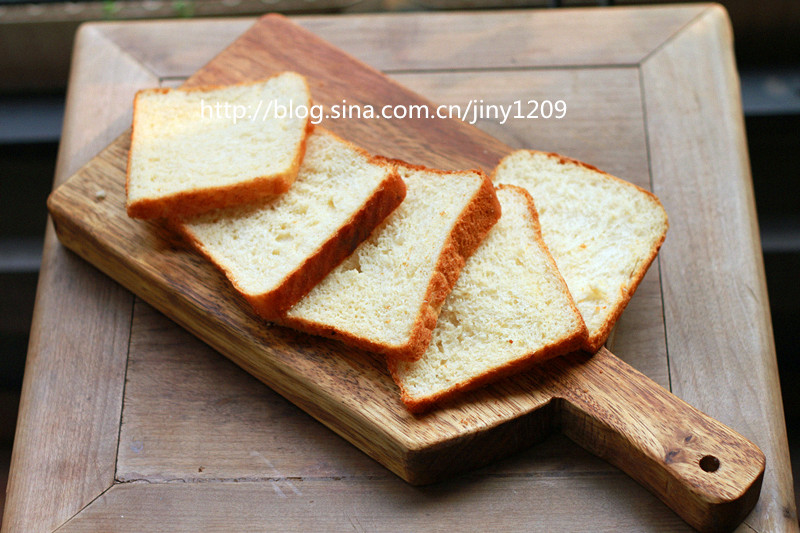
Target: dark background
767,40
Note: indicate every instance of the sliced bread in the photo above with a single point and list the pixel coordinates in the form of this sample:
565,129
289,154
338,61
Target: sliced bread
603,232
387,295
509,309
193,150
274,252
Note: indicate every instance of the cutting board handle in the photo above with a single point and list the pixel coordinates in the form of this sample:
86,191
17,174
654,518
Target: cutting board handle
706,472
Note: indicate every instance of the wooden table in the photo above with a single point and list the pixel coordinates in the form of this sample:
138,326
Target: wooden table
127,422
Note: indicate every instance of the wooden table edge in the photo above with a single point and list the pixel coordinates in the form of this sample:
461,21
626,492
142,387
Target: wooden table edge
717,38
38,401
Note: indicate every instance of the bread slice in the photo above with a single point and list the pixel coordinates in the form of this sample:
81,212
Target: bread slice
603,232
193,150
274,252
387,295
509,309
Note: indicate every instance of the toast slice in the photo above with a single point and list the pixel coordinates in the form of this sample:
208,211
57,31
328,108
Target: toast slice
275,251
603,232
509,309
387,295
193,150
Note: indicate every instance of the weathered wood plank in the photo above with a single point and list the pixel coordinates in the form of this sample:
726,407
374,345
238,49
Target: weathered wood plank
433,41
191,414
104,78
606,502
66,441
603,123
717,316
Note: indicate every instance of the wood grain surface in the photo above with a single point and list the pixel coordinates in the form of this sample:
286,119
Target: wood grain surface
76,448
600,402
202,444
409,42
698,288
310,505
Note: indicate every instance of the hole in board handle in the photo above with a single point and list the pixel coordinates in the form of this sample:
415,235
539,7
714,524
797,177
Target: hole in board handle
709,463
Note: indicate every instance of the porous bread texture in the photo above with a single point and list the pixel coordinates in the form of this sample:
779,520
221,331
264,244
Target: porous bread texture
274,252
386,296
189,156
509,309
603,232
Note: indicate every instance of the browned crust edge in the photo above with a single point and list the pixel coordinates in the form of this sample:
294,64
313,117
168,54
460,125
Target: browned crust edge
199,200
272,305
596,340
384,200
571,342
471,226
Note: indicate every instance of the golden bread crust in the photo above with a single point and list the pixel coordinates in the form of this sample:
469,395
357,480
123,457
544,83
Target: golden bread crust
200,200
386,198
570,342
474,222
272,305
596,340
472,225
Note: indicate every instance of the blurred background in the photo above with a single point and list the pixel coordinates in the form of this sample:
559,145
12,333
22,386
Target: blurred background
36,44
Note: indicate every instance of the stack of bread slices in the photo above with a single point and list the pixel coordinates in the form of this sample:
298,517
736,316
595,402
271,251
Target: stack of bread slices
455,277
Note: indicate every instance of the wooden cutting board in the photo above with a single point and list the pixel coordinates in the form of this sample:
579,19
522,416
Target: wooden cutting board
707,473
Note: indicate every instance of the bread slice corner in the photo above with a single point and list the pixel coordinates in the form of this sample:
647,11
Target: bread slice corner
203,148
603,232
386,297
509,310
275,251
